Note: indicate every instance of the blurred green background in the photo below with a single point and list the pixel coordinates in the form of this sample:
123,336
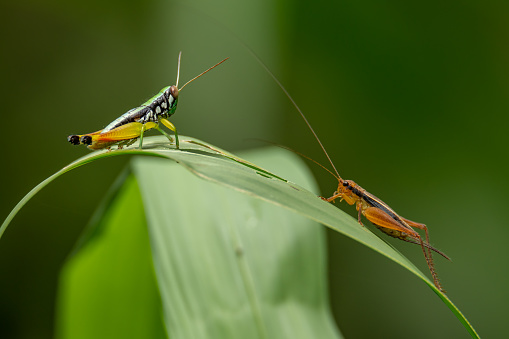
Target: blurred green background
410,98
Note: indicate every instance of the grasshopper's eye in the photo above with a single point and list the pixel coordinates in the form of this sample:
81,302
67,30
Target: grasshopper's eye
174,91
346,184
86,139
74,139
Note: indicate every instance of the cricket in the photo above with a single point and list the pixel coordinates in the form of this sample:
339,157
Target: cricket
374,209
130,126
384,218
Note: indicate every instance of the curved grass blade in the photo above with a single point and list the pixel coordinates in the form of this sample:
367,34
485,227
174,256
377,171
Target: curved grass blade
219,166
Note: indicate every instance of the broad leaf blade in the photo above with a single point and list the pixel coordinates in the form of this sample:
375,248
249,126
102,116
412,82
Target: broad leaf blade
108,288
229,265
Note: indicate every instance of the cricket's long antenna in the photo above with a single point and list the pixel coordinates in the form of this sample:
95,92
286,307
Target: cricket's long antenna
178,70
316,162
199,75
304,156
298,109
277,82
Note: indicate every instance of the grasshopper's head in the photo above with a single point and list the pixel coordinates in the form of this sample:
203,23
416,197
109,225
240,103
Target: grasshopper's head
172,93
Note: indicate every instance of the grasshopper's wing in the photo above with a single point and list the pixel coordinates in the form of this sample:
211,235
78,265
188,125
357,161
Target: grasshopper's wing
100,140
125,132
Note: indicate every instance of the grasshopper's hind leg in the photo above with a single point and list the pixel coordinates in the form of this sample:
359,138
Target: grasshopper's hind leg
126,143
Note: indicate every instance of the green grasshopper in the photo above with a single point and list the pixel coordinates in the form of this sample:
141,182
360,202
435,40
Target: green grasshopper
131,125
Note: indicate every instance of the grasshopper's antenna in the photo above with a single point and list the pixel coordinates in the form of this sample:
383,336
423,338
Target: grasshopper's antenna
199,75
178,70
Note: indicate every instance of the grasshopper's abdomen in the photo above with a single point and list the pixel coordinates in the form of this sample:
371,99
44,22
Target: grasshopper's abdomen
161,105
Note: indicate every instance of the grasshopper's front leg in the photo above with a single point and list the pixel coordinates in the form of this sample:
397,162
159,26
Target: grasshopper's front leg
163,132
172,127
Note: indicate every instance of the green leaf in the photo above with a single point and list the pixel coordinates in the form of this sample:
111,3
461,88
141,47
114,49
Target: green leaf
230,265
216,165
108,288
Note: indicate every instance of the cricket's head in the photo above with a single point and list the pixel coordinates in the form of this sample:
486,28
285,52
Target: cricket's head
347,190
